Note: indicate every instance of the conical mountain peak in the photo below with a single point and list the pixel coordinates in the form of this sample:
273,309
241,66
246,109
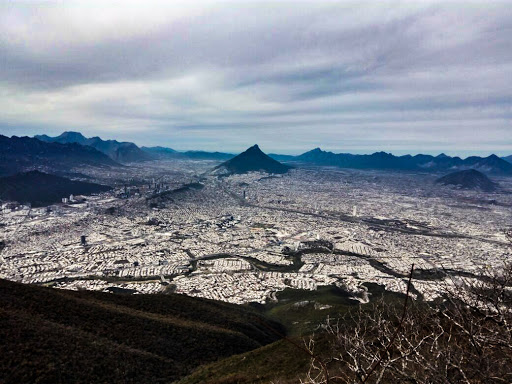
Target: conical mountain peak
252,159
468,179
255,149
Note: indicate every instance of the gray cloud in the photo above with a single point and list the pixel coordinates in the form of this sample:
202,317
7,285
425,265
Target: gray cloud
346,76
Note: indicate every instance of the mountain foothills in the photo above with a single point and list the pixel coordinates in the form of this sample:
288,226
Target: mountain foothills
123,152
253,159
58,336
41,189
18,154
469,179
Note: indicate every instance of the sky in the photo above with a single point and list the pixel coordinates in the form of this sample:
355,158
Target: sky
346,76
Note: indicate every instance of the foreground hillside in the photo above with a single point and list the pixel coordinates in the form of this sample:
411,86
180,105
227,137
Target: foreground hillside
40,189
465,337
56,336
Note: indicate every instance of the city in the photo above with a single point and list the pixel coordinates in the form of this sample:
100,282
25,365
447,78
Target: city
245,237
255,192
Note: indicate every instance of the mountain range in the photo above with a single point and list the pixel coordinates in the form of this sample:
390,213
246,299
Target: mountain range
382,160
169,154
41,189
379,160
253,159
122,152
18,154
159,152
127,152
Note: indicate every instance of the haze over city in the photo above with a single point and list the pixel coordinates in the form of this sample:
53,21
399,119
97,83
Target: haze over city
358,77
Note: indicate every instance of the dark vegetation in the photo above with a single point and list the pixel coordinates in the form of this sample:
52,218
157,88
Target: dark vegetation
287,361
253,159
41,189
63,336
469,179
280,362
464,338
19,154
55,336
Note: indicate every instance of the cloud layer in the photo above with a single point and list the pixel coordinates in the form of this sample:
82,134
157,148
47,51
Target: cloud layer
347,76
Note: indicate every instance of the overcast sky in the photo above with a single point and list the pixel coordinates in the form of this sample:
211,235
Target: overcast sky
360,77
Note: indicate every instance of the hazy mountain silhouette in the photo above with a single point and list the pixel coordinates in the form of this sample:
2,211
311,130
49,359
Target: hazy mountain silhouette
64,138
169,153
41,189
253,159
508,158
129,152
382,160
203,155
468,179
160,152
123,152
19,154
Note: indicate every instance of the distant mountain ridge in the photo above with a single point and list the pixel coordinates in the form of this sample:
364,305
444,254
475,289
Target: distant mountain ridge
129,152
253,159
203,155
159,152
42,189
279,157
169,153
19,154
382,160
123,152
468,179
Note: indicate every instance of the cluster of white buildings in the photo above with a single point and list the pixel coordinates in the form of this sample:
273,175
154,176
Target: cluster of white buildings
226,240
